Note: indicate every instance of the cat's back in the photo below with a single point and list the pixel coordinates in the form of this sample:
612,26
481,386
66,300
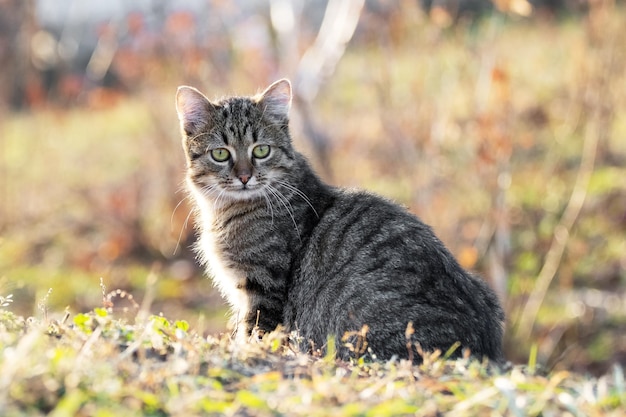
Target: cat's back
371,262
359,227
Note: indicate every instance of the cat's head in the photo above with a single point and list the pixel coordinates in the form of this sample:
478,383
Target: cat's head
238,147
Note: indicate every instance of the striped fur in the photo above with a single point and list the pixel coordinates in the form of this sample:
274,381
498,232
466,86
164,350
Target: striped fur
285,248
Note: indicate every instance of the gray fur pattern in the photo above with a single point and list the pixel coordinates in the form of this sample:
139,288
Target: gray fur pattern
286,249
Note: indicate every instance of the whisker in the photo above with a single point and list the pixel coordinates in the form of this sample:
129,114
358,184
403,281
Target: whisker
183,227
269,205
208,189
197,136
216,201
285,202
300,194
174,212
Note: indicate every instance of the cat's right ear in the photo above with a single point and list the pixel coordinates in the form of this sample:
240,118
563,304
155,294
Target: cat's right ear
194,110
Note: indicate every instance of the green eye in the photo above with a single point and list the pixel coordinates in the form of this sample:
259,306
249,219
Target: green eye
220,154
261,151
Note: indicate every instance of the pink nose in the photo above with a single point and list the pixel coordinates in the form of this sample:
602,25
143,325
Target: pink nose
244,178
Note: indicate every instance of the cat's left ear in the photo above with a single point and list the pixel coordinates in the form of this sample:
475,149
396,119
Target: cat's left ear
276,99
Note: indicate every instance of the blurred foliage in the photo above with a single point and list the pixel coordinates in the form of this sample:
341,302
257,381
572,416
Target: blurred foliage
482,128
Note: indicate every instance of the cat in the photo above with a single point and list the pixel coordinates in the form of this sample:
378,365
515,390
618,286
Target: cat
284,248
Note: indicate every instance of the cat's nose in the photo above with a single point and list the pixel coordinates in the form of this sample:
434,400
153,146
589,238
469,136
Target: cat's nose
244,178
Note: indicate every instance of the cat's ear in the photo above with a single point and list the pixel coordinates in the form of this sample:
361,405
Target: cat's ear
276,99
194,110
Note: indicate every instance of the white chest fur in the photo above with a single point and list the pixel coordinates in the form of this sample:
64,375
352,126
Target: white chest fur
229,280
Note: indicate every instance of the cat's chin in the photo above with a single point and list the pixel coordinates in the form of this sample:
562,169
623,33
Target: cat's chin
243,194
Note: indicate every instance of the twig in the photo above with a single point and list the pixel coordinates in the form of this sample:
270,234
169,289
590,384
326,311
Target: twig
562,230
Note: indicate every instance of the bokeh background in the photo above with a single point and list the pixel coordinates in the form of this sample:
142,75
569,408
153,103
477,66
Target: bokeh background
502,124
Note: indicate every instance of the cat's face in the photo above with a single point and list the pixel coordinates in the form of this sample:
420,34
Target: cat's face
239,148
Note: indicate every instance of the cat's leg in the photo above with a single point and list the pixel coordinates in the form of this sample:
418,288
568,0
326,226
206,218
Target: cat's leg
265,313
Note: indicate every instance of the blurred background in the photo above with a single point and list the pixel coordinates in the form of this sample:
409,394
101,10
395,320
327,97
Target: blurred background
502,124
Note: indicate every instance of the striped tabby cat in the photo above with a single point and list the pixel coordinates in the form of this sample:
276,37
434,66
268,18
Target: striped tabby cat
285,248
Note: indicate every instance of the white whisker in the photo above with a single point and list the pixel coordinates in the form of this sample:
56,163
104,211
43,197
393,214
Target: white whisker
285,202
174,212
183,227
207,190
298,193
197,136
269,205
216,201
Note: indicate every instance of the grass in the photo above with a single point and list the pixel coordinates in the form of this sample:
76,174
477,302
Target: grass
97,364
461,125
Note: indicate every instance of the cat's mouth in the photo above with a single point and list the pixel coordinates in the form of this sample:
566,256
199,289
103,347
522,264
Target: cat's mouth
234,190
247,191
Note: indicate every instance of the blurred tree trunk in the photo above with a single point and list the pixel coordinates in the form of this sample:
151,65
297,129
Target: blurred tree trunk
17,25
318,62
